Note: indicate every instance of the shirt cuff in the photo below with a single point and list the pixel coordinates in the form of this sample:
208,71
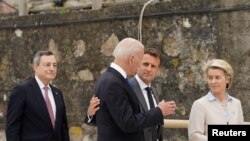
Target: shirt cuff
89,118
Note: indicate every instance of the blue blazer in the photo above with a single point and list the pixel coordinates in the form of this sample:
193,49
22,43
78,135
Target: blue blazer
28,118
120,117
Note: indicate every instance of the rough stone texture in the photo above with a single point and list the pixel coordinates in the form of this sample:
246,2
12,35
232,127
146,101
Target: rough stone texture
186,32
2,135
75,133
108,47
43,5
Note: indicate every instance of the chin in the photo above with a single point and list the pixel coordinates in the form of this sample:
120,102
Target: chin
214,92
132,75
51,78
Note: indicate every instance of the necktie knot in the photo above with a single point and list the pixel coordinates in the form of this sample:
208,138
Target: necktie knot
46,88
148,89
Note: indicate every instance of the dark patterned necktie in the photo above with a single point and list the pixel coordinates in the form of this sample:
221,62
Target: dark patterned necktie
150,98
152,105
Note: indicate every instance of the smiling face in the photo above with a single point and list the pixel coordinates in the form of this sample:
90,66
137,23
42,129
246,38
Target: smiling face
217,81
46,69
149,68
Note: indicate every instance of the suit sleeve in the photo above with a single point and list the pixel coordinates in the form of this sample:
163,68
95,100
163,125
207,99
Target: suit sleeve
15,111
65,128
90,121
118,103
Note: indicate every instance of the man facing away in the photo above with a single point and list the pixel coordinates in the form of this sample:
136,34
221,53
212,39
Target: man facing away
146,73
36,109
120,116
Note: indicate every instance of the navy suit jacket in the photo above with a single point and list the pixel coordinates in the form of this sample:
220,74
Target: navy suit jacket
28,118
120,117
147,131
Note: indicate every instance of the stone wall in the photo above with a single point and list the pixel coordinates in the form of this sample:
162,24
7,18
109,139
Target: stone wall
187,32
12,6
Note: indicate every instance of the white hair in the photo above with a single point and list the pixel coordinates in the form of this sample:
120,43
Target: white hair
126,47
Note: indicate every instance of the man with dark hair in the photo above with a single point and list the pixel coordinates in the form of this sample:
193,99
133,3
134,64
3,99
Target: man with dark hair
146,73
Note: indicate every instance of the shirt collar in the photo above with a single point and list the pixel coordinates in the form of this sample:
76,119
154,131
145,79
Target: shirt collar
119,69
142,84
211,97
40,83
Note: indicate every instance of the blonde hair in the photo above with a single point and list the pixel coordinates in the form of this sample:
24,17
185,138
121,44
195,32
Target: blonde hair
223,65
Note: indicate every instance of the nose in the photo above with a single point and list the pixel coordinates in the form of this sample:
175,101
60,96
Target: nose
213,80
149,67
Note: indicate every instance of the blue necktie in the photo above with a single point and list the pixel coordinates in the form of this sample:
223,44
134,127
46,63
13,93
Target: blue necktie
130,84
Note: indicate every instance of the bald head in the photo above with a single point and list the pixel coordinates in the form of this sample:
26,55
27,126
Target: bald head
128,55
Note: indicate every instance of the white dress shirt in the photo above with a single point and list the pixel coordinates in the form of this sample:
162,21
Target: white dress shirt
51,97
143,86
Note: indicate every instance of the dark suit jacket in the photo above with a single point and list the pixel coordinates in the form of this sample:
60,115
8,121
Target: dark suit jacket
147,131
119,117
28,118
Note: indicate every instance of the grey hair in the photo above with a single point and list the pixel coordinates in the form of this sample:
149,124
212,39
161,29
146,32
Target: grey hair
126,47
39,54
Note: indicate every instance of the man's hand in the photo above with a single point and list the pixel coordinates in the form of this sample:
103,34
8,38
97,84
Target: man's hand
167,108
93,106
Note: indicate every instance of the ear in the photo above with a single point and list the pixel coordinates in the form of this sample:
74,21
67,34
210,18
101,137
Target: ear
34,67
228,81
131,59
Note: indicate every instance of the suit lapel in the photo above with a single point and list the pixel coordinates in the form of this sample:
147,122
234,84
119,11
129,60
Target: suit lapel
126,84
57,100
40,100
131,93
155,95
139,93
